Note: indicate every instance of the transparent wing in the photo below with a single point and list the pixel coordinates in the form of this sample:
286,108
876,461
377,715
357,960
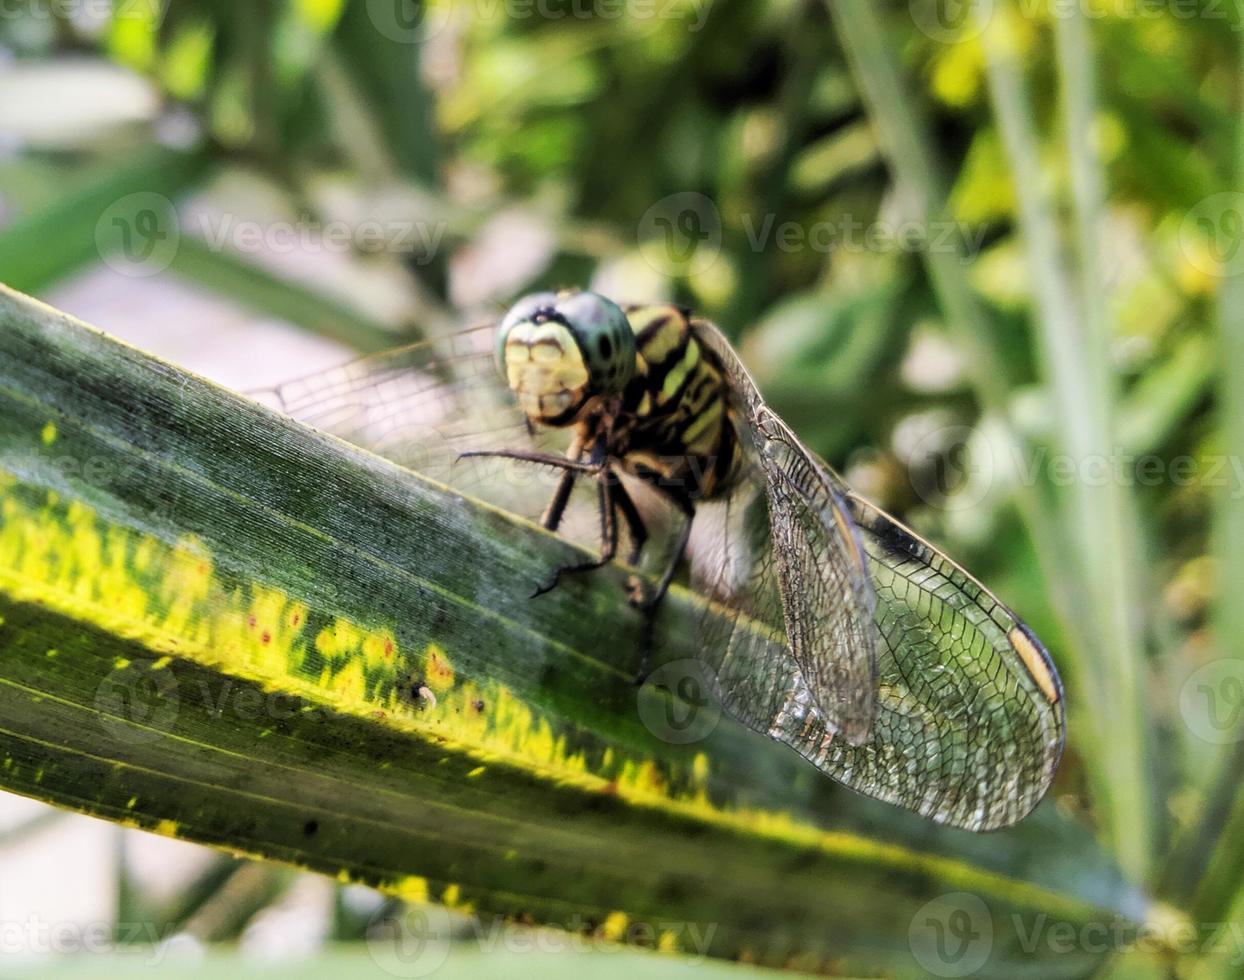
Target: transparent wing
968,720
784,552
424,404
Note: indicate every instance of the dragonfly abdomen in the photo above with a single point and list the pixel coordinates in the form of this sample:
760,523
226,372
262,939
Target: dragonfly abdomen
680,428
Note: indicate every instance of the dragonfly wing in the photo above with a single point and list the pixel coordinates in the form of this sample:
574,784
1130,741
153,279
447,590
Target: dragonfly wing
967,715
425,404
970,723
805,566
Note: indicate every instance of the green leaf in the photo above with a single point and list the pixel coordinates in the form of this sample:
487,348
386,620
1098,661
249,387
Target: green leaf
218,624
48,245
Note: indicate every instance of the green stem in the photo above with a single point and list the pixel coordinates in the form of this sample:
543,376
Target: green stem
1078,355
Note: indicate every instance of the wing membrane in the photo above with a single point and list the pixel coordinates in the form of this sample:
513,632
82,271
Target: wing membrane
807,579
971,720
424,404
968,719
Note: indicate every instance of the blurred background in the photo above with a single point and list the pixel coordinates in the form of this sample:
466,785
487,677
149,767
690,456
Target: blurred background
981,254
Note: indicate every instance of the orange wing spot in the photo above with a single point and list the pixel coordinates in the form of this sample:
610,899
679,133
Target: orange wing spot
1035,661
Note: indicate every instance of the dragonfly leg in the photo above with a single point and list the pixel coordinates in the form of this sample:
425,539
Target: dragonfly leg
680,549
552,517
545,459
637,531
634,522
650,606
608,536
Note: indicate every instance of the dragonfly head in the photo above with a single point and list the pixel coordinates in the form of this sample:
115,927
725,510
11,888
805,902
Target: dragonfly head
558,351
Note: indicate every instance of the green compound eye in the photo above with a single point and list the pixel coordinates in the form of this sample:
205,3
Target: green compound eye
605,339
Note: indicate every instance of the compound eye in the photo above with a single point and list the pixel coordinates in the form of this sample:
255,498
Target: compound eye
605,337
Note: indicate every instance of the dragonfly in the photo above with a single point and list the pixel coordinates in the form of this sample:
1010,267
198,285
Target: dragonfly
829,625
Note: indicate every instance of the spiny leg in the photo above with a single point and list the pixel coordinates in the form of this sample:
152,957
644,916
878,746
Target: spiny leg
570,466
680,549
635,527
556,509
546,459
551,519
649,608
608,536
638,534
